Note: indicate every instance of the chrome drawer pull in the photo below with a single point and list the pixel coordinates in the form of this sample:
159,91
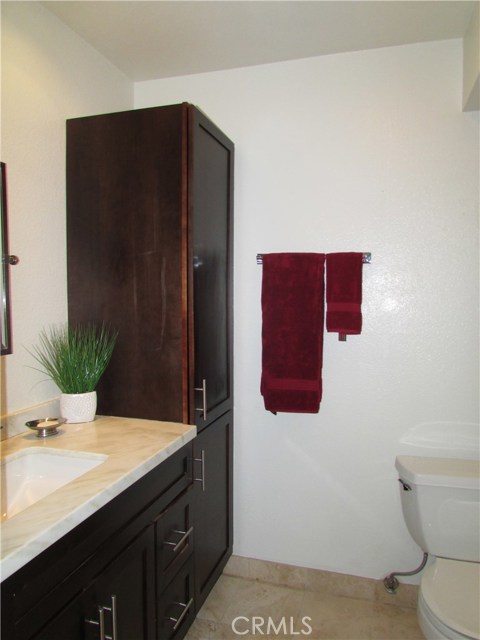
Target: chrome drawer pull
177,545
99,623
178,621
202,461
203,389
101,620
113,610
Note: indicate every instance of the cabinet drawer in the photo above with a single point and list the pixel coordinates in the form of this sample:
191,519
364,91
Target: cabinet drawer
174,537
176,607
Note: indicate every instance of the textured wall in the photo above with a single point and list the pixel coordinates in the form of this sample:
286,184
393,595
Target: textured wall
367,151
49,74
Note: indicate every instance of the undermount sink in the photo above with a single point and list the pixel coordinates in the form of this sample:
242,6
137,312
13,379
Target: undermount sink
34,473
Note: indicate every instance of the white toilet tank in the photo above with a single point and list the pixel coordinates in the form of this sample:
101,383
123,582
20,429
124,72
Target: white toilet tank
441,505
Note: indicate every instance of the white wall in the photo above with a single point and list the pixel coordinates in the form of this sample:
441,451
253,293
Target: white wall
49,74
366,151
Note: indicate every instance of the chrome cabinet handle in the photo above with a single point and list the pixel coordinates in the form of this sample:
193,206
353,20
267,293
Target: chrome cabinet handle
203,389
202,469
101,620
113,611
99,623
178,621
184,534
102,623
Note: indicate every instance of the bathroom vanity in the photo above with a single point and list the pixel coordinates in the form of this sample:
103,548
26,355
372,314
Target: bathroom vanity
111,554
150,252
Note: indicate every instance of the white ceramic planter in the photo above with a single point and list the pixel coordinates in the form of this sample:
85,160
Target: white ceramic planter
78,407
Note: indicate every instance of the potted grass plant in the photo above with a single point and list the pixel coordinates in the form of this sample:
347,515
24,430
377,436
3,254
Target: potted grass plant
75,358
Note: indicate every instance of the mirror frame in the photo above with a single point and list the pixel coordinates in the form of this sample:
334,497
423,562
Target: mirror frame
5,319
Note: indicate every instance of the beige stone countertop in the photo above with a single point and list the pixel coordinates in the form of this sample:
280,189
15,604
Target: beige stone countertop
133,448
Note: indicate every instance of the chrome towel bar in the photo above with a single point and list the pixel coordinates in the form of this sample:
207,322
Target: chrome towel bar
366,258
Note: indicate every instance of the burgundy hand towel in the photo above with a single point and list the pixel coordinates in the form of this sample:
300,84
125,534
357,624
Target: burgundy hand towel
292,331
344,292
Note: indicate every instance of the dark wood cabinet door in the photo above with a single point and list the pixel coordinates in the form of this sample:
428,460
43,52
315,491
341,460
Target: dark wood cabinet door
124,593
130,582
70,623
213,449
211,173
126,252
150,252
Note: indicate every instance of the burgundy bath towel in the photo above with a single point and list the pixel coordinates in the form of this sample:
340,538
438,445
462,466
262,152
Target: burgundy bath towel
344,292
292,331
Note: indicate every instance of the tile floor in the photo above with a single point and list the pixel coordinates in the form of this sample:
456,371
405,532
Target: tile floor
292,611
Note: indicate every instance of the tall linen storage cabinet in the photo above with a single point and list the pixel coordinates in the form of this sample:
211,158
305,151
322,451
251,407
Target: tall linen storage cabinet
150,252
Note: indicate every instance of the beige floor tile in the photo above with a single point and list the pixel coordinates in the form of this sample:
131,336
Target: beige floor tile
238,566
265,600
336,617
289,611
279,574
339,584
251,602
200,630
220,598
395,623
208,630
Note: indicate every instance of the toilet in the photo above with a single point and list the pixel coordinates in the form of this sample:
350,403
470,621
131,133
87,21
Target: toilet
441,506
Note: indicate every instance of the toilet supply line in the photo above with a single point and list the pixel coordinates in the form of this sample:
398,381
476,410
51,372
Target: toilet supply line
391,583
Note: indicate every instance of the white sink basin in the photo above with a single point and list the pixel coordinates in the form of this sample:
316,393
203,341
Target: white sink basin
31,474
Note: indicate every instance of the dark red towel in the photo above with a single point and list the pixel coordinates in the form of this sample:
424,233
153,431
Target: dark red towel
344,292
292,331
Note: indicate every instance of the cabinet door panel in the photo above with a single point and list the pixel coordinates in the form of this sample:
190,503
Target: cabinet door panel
212,176
125,194
68,624
130,580
213,505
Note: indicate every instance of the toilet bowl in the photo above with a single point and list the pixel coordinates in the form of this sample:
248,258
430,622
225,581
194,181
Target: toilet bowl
441,506
449,600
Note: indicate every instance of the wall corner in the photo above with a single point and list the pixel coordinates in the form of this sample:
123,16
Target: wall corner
471,63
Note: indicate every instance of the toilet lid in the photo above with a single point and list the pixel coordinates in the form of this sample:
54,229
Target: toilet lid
451,590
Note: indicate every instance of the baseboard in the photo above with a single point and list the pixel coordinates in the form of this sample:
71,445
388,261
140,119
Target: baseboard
338,584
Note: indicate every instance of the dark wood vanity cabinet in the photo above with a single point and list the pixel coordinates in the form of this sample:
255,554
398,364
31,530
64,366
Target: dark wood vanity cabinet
124,573
150,252
140,567
150,241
